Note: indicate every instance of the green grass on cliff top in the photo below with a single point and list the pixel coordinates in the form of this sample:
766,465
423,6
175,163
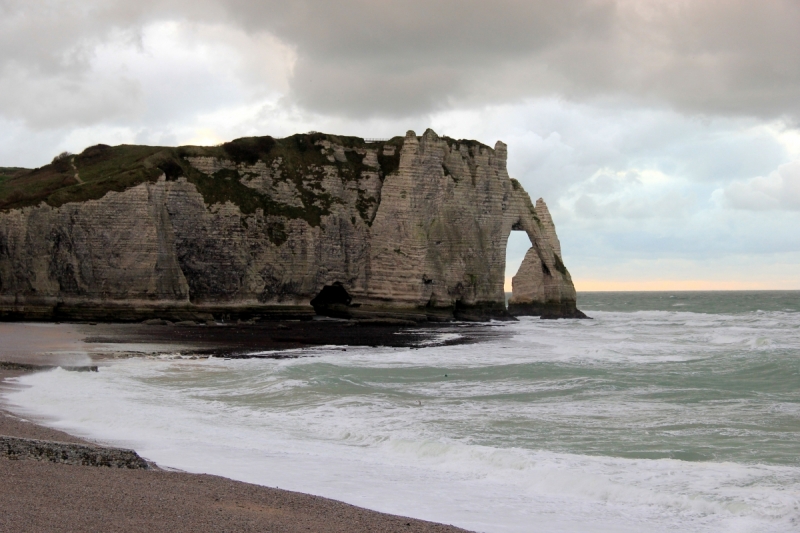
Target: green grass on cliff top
9,172
102,169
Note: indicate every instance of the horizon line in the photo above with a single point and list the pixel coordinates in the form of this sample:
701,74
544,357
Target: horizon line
662,285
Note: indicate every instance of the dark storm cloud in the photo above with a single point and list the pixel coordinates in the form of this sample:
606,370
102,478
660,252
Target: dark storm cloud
362,58
398,58
728,57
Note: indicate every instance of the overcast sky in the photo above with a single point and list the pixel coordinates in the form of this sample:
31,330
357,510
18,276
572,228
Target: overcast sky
663,134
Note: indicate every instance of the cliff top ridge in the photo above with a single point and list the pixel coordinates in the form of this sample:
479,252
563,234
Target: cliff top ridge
101,169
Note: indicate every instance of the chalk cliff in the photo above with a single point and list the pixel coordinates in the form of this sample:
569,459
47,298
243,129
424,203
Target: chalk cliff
412,227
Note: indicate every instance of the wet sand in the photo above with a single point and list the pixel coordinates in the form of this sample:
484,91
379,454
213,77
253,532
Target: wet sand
42,343
43,496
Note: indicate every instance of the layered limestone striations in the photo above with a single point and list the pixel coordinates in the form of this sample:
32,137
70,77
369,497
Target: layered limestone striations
413,228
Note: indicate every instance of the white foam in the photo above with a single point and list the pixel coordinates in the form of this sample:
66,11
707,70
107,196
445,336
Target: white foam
490,447
218,417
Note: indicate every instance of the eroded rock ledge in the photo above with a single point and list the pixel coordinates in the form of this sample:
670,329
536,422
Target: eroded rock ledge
412,228
69,453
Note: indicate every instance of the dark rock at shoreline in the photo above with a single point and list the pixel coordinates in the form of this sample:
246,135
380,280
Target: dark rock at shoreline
70,453
272,339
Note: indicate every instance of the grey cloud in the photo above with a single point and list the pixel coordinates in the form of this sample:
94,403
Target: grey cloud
734,56
359,59
405,34
639,181
43,101
390,58
664,206
780,190
556,145
45,52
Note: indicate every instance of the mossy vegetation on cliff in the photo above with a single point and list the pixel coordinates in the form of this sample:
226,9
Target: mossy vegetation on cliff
10,172
471,145
302,158
31,187
7,186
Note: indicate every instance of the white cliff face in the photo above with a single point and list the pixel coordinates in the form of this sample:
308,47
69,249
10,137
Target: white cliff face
547,226
433,238
423,237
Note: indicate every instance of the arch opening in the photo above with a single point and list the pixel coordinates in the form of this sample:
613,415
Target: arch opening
517,246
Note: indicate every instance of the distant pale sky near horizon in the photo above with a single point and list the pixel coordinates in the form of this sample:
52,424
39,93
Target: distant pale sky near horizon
664,135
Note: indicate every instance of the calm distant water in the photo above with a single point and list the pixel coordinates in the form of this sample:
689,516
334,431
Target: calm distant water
715,302
667,412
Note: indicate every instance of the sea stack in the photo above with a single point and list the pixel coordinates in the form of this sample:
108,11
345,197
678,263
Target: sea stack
412,228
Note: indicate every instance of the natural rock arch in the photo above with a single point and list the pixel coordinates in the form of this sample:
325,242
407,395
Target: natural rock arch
415,227
542,286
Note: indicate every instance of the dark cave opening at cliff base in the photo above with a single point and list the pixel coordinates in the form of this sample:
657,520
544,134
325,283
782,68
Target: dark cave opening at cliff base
518,245
333,301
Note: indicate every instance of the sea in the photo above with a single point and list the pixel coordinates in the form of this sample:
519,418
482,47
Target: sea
668,412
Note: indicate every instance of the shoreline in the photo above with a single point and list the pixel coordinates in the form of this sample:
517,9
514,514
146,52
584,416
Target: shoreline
46,496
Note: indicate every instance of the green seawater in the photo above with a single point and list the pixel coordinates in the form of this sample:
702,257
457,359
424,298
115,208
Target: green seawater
714,302
673,411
